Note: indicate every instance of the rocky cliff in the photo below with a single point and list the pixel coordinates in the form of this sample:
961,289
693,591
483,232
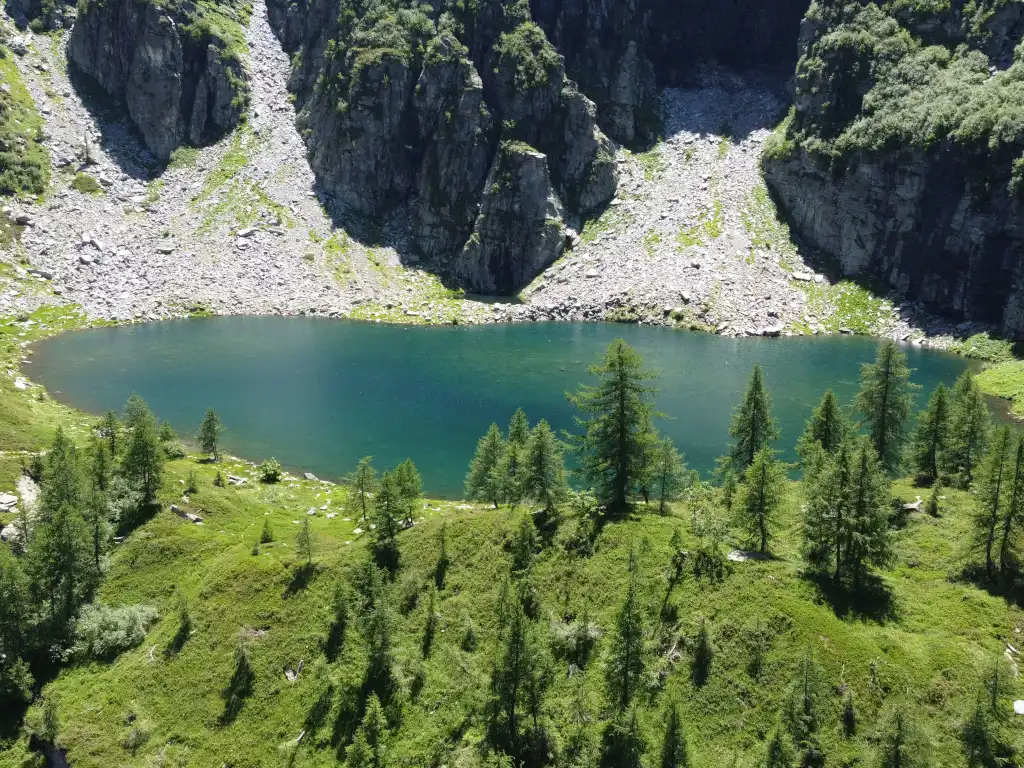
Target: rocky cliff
177,74
903,156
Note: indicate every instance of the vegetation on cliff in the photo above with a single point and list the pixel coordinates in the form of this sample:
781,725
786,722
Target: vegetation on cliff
24,161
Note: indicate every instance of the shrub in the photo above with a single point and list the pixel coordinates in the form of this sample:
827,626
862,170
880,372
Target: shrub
102,632
174,450
270,471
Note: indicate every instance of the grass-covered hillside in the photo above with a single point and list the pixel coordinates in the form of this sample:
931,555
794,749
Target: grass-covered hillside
268,636
24,162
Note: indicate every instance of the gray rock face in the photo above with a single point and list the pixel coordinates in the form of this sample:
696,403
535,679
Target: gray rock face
918,221
175,87
421,120
519,231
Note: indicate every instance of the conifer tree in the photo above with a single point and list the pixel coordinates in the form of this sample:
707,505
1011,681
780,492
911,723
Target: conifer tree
668,474
969,428
108,429
885,399
209,434
98,526
826,428
304,542
618,412
931,437
543,468
369,746
996,482
166,432
846,517
902,746
753,426
1012,517
59,559
410,488
143,459
866,533
63,484
101,465
387,515
627,661
14,606
485,480
519,677
674,753
761,497
364,483
622,743
524,545
802,713
378,632
519,429
779,753
135,408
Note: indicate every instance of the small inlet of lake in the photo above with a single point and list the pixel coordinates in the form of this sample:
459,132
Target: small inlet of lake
319,394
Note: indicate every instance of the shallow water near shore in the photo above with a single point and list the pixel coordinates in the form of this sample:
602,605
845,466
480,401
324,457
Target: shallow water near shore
318,394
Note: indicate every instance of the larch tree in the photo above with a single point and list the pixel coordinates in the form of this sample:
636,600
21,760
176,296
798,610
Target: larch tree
143,457
668,474
109,429
761,497
996,482
931,437
1012,517
209,434
674,751
364,483
753,426
616,422
388,510
826,428
304,542
885,400
543,468
627,662
485,480
866,531
970,426
410,488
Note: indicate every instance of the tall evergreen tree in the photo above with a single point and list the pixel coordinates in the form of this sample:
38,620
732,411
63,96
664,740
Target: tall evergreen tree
485,480
369,746
885,399
996,482
761,497
674,753
519,677
779,753
135,408
519,429
109,430
143,459
101,468
668,474
1012,517
618,412
59,560
388,509
931,437
627,661
543,468
14,607
63,483
410,488
209,434
826,428
364,484
622,742
970,426
846,517
901,745
753,426
379,631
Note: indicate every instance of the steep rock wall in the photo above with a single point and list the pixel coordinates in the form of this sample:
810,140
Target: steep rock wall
175,78
903,157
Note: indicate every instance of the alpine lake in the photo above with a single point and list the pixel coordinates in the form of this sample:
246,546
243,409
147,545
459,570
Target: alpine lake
318,394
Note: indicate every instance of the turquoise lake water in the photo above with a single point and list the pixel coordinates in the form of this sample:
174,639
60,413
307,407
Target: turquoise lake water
318,394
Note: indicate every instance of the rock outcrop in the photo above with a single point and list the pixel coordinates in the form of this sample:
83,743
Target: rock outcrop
410,109
178,79
519,231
